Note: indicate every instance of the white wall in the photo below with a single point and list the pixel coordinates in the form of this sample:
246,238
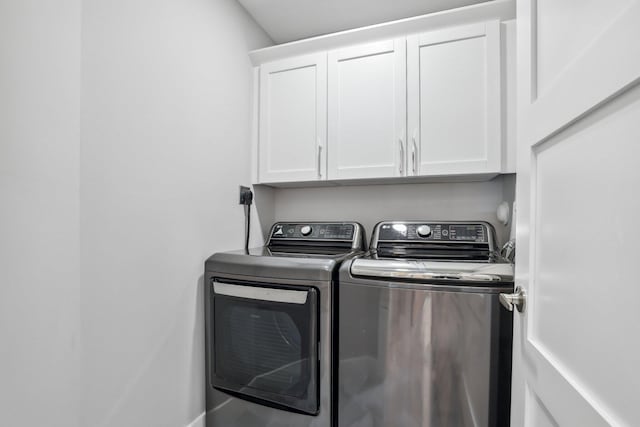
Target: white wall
369,204
166,95
39,229
124,133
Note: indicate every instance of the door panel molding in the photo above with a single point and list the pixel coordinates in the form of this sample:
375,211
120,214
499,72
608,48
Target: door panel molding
559,392
586,82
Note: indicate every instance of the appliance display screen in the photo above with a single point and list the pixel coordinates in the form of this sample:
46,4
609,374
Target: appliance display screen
467,232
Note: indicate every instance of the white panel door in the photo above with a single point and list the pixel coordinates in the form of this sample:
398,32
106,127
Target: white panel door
293,119
454,100
576,346
367,111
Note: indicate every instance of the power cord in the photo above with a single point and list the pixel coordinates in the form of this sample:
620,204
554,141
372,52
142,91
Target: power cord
246,199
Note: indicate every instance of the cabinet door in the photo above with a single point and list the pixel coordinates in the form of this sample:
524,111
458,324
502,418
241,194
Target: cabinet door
293,119
367,110
454,100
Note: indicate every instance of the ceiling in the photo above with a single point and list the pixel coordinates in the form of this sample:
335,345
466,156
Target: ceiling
289,20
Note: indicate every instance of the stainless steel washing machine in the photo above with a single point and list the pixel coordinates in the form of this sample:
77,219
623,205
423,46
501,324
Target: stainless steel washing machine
270,323
423,339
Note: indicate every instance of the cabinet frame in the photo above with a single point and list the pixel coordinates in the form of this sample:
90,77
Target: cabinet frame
419,163
397,167
319,171
410,156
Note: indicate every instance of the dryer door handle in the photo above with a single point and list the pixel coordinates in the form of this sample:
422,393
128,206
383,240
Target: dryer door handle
259,293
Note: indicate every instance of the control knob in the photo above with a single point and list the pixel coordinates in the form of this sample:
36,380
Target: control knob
424,231
306,230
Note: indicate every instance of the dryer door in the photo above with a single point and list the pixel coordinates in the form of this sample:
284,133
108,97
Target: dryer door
265,344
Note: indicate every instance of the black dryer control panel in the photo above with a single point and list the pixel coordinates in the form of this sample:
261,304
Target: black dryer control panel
313,231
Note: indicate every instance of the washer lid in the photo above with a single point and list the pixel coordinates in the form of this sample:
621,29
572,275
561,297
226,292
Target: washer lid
429,270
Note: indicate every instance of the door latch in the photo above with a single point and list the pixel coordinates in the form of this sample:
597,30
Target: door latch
516,299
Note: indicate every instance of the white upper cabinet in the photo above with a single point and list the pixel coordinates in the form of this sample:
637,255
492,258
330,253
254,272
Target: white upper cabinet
293,119
425,105
367,111
454,97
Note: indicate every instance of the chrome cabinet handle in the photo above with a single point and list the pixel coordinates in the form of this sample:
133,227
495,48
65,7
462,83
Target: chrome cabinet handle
414,154
401,166
413,159
517,299
319,161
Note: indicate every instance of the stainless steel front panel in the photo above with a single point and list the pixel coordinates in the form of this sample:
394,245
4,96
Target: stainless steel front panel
422,356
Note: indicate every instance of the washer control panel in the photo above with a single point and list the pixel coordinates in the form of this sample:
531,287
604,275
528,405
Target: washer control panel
313,231
429,231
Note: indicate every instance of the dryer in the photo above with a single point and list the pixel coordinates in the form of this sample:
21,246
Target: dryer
271,322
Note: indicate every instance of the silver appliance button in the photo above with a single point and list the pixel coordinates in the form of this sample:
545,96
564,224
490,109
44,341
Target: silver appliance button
424,231
305,230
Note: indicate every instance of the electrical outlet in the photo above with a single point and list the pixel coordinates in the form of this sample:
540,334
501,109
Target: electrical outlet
246,196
